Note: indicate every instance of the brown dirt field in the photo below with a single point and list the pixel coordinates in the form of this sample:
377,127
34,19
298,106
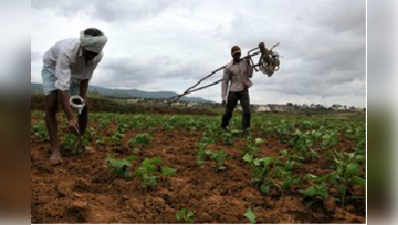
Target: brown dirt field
82,190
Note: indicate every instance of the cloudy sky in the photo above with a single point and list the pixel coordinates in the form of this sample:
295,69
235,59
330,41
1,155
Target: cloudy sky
169,44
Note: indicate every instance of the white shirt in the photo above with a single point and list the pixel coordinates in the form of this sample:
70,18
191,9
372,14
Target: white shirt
66,59
237,77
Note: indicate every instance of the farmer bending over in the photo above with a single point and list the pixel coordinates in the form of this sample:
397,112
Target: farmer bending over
67,68
236,78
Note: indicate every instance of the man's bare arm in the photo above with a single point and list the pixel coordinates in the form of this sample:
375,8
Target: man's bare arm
64,99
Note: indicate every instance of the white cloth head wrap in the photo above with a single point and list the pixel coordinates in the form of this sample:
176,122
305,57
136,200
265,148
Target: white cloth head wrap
93,43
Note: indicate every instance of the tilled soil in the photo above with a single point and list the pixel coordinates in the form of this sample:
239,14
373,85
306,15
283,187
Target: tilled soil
82,189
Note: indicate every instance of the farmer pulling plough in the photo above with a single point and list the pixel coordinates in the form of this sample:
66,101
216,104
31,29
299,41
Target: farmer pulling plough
235,82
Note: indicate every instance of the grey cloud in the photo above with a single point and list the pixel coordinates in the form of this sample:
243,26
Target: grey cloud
322,44
109,11
122,72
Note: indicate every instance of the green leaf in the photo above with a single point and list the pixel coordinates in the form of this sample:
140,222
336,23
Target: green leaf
185,215
248,158
180,214
143,139
150,181
130,158
168,171
287,184
190,214
257,161
208,152
152,161
297,180
235,131
310,176
359,180
352,169
250,215
268,161
360,158
259,141
350,155
310,192
199,162
119,167
264,189
131,142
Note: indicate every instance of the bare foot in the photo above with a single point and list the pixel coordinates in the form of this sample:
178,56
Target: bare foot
56,158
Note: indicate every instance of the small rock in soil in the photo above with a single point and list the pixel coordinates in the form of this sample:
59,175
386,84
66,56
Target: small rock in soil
78,209
90,150
64,188
248,194
79,204
204,217
329,204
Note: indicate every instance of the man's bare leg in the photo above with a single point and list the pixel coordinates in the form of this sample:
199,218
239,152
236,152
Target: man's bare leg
51,122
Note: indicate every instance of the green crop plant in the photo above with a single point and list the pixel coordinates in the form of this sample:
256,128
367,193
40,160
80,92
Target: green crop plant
259,141
288,179
39,130
123,127
306,124
248,158
263,171
141,140
251,149
90,134
166,126
68,142
103,122
302,143
221,156
117,138
312,155
360,145
203,155
168,171
347,173
149,171
73,145
185,215
330,139
205,141
131,142
315,193
120,167
227,138
292,158
284,131
249,214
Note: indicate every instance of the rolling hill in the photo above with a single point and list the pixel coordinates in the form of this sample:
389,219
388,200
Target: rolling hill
128,93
